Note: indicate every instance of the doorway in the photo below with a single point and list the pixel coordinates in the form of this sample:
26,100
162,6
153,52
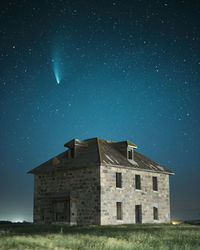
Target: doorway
61,211
138,213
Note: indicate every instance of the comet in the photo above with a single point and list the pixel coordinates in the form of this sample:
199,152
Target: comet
57,66
56,72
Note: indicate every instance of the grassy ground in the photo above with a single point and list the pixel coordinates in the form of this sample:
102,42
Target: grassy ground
28,236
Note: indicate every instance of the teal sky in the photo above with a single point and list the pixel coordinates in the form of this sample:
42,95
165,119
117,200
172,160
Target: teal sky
127,70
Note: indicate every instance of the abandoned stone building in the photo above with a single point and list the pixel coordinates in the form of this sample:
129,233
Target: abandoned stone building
98,181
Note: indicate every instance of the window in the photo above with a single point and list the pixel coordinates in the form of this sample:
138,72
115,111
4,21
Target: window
155,183
72,153
119,210
137,182
130,154
138,213
155,213
119,180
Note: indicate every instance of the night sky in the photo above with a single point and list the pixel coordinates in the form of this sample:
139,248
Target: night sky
119,70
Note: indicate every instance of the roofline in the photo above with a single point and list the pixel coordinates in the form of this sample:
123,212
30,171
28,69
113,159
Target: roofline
131,144
110,165
126,141
99,151
32,171
65,169
141,169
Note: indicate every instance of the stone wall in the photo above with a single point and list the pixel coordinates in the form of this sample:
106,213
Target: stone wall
84,188
93,195
130,197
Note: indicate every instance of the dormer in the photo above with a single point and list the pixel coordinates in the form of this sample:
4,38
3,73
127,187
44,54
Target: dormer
127,149
130,151
75,147
71,153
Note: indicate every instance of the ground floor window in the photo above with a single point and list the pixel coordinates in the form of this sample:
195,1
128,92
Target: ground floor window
138,213
119,210
155,213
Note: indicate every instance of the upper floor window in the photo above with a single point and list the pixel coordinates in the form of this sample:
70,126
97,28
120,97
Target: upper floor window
72,152
155,183
119,210
130,153
137,182
155,213
119,180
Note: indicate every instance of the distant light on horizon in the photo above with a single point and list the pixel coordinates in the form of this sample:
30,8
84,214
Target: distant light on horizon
176,222
18,219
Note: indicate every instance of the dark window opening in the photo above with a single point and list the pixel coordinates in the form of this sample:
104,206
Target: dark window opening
155,184
138,213
137,182
119,210
119,180
72,153
155,213
130,154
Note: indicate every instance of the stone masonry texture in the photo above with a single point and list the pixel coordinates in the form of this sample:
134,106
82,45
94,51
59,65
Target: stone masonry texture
93,195
130,197
83,186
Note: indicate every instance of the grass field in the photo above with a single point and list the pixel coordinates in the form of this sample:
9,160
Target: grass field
28,236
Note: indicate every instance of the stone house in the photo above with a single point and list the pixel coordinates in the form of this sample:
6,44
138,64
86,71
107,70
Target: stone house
98,181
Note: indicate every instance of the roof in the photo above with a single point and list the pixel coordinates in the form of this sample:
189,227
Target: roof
95,152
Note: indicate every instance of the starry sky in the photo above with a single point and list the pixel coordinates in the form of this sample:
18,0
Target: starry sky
119,70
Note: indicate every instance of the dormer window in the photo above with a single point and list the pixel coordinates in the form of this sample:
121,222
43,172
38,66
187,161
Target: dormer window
72,153
130,154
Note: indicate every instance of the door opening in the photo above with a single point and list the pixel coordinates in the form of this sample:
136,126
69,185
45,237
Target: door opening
61,211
